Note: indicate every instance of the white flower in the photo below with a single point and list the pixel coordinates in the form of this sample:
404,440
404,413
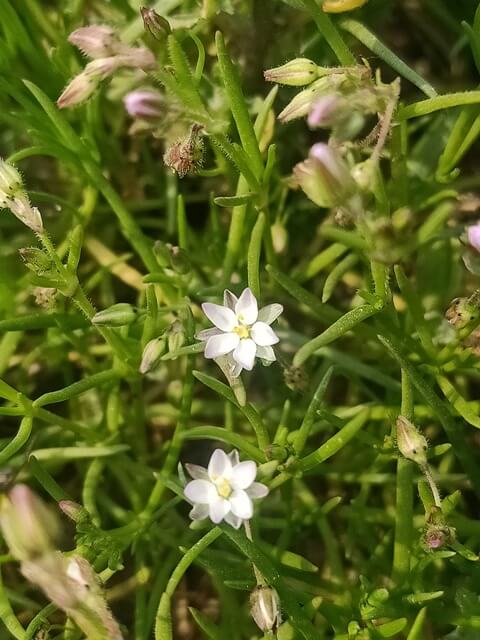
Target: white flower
240,330
225,490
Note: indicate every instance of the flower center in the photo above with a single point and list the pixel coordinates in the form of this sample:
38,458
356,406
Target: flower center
223,488
242,331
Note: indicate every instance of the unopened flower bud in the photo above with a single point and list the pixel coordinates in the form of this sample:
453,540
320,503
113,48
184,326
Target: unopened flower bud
324,112
411,443
30,216
176,337
94,41
462,311
295,73
137,57
155,24
35,260
79,89
473,235
265,608
186,155
437,533
152,353
29,527
340,6
10,183
73,510
118,315
145,104
324,176
279,237
302,103
179,260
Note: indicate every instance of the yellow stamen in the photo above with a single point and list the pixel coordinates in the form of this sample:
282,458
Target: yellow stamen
242,331
223,488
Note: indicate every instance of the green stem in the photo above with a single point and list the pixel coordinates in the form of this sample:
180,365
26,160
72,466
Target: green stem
253,258
448,101
371,41
163,625
8,617
18,441
330,33
312,413
404,498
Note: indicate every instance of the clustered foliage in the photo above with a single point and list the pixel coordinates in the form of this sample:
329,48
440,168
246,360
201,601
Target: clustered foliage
181,176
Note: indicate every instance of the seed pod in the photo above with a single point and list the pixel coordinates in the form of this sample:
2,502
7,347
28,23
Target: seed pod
154,23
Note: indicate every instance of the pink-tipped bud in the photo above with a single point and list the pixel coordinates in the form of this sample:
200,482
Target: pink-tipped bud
29,527
324,176
145,104
473,236
94,41
324,112
296,73
73,510
137,58
303,102
78,90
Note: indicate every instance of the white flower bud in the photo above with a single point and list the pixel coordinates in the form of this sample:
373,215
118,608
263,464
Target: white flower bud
78,90
265,608
340,6
152,353
10,182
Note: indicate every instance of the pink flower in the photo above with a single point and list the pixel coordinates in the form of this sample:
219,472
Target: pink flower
473,235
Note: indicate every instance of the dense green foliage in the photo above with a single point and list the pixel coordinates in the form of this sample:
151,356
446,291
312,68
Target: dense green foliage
105,392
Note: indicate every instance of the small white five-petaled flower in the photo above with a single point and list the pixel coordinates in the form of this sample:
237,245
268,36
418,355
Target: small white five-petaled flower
241,330
225,490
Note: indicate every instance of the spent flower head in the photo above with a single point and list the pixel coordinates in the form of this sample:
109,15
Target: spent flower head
241,329
225,490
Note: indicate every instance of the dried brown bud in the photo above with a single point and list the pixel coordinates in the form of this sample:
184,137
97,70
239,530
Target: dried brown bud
154,23
186,155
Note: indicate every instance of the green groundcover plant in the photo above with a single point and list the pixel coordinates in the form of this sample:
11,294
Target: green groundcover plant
239,319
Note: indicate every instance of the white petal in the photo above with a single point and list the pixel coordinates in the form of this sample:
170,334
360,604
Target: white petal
219,509
221,344
270,313
233,520
246,307
234,457
257,490
243,474
220,465
236,369
201,491
241,504
197,472
266,353
263,334
244,354
199,512
222,317
205,334
229,299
